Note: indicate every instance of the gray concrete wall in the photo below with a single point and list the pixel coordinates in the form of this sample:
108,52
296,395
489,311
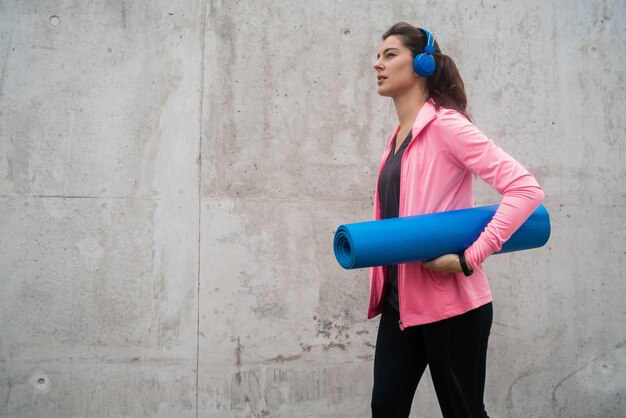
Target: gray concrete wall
171,174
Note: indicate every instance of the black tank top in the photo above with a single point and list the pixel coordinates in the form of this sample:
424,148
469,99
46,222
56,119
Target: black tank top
389,193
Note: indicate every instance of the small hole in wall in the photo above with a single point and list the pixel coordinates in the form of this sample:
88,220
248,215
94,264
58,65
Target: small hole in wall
55,20
41,381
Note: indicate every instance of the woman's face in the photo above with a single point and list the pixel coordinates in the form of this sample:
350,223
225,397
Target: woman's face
394,67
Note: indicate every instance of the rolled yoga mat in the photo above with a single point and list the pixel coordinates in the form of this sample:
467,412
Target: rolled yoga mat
424,237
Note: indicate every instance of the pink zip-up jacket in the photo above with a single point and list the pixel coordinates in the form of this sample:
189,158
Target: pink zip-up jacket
437,175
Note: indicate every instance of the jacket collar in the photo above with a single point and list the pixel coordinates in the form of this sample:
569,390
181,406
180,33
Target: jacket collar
427,114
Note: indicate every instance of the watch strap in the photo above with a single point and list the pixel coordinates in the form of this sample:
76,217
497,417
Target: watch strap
466,269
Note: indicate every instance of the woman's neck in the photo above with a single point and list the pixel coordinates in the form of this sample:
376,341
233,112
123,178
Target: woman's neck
408,106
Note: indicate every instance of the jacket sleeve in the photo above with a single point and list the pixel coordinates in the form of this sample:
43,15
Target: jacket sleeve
478,154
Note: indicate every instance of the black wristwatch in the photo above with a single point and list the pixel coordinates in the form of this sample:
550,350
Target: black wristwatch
466,269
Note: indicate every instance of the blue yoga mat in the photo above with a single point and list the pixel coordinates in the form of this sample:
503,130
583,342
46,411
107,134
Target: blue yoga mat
424,237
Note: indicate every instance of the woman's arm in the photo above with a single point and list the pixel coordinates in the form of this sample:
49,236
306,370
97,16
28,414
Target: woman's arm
521,192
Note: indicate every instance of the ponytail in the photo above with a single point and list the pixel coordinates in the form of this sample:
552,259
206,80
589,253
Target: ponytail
445,86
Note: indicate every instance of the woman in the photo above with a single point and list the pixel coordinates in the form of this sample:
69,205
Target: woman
436,313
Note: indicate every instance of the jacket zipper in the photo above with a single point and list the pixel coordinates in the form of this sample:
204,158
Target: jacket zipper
401,211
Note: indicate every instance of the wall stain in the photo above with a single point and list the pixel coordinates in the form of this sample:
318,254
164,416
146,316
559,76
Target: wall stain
334,345
238,353
123,9
509,394
6,60
281,359
245,391
554,401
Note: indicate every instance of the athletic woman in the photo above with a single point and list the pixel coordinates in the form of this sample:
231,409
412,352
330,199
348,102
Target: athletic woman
436,313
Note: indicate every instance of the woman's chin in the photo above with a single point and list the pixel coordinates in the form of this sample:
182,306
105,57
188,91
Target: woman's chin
383,92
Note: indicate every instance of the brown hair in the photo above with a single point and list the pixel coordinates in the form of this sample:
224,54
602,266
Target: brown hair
445,85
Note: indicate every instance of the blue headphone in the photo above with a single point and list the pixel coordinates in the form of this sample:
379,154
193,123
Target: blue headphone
424,63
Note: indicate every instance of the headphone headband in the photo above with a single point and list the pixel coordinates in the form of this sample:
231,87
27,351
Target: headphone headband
424,63
430,41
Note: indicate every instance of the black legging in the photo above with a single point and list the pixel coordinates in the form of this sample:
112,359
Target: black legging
455,350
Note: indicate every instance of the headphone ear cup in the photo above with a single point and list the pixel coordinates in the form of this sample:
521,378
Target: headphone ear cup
424,64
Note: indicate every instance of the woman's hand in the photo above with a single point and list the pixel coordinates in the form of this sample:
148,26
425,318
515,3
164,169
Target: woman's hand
448,263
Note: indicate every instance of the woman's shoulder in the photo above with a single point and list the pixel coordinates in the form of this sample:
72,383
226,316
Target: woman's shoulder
448,112
448,118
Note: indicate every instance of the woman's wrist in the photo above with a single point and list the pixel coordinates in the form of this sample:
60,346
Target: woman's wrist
467,269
